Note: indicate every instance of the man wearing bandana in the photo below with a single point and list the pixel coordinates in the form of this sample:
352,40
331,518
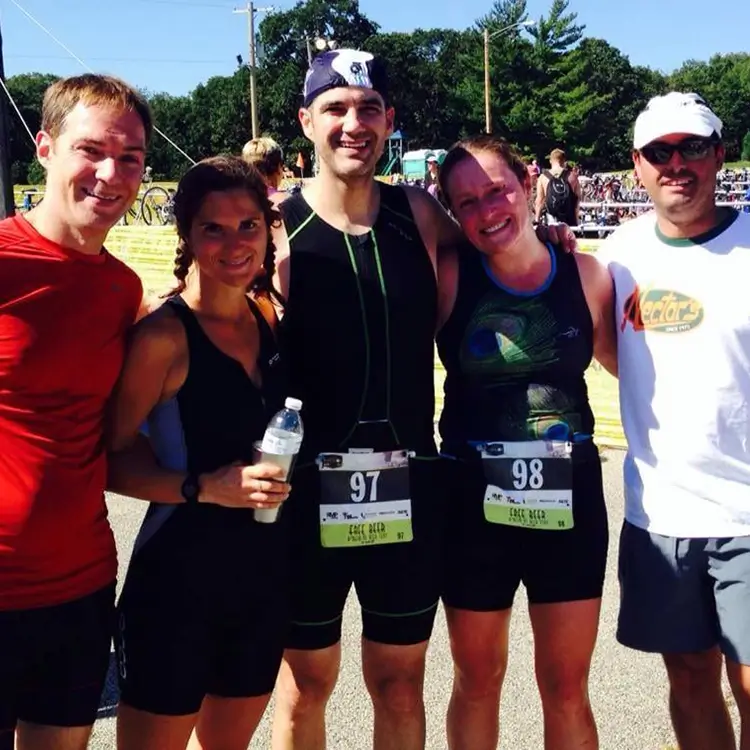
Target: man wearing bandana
357,262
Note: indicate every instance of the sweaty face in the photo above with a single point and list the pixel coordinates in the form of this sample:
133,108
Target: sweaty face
228,238
349,127
682,191
489,201
94,166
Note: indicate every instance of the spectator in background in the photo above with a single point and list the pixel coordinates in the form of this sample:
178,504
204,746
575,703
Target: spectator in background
433,180
532,167
433,169
746,209
558,192
268,158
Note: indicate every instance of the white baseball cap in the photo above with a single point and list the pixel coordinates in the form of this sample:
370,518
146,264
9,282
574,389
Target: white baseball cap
675,112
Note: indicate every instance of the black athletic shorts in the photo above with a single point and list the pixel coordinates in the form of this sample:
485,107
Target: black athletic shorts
398,585
202,613
54,661
485,562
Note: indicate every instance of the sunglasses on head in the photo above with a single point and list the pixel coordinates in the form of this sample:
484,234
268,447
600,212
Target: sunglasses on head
691,149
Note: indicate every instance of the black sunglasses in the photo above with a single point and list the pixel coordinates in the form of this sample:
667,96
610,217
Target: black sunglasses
691,149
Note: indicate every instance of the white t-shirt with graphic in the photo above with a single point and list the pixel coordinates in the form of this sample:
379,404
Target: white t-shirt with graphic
683,331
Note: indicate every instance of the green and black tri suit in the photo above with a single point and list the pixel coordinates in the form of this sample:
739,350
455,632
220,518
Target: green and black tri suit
359,330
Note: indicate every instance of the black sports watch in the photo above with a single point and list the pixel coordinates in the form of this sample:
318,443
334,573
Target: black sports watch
191,489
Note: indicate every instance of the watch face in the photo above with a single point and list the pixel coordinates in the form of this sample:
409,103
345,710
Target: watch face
190,489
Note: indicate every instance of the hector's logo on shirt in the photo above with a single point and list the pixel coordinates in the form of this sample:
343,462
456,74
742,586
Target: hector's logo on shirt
662,311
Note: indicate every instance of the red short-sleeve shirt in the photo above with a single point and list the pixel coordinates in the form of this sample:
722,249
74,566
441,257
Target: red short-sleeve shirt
64,317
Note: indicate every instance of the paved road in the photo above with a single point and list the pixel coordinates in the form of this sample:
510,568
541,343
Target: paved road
628,689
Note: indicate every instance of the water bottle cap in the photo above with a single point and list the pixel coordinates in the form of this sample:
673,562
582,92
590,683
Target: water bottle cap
293,403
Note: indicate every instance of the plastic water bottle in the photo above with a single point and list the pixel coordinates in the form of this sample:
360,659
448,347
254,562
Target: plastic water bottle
280,445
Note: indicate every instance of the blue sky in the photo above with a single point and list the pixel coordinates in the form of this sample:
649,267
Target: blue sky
172,45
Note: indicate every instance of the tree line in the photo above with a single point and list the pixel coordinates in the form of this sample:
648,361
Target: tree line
550,86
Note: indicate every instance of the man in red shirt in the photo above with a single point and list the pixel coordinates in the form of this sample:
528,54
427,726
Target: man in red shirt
65,307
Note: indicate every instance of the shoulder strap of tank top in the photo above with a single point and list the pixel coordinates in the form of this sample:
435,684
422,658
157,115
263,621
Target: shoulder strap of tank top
469,268
295,212
469,262
181,309
268,346
265,308
197,338
563,259
395,202
567,274
265,314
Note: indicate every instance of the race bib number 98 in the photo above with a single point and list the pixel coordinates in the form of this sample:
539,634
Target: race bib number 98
529,484
365,499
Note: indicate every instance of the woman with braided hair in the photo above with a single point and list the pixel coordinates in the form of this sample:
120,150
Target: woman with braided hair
202,617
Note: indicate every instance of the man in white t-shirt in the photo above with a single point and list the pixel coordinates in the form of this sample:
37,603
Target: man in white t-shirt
683,324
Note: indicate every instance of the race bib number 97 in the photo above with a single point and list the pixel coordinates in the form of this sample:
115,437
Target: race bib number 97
529,484
365,499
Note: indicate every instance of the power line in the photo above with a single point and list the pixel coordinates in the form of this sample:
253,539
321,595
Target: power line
86,67
18,111
114,59
183,4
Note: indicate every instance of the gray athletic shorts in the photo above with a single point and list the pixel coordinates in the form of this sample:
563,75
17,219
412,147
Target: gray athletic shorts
684,595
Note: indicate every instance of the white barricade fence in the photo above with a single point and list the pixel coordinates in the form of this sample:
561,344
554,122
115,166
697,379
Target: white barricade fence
612,206
645,205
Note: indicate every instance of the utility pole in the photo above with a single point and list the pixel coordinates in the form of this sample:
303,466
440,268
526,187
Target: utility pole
7,204
487,39
487,109
251,10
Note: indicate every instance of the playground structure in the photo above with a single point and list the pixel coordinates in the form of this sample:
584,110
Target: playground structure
410,165
395,153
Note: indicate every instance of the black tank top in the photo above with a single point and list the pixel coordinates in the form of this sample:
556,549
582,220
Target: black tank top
223,412
515,361
211,422
359,327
